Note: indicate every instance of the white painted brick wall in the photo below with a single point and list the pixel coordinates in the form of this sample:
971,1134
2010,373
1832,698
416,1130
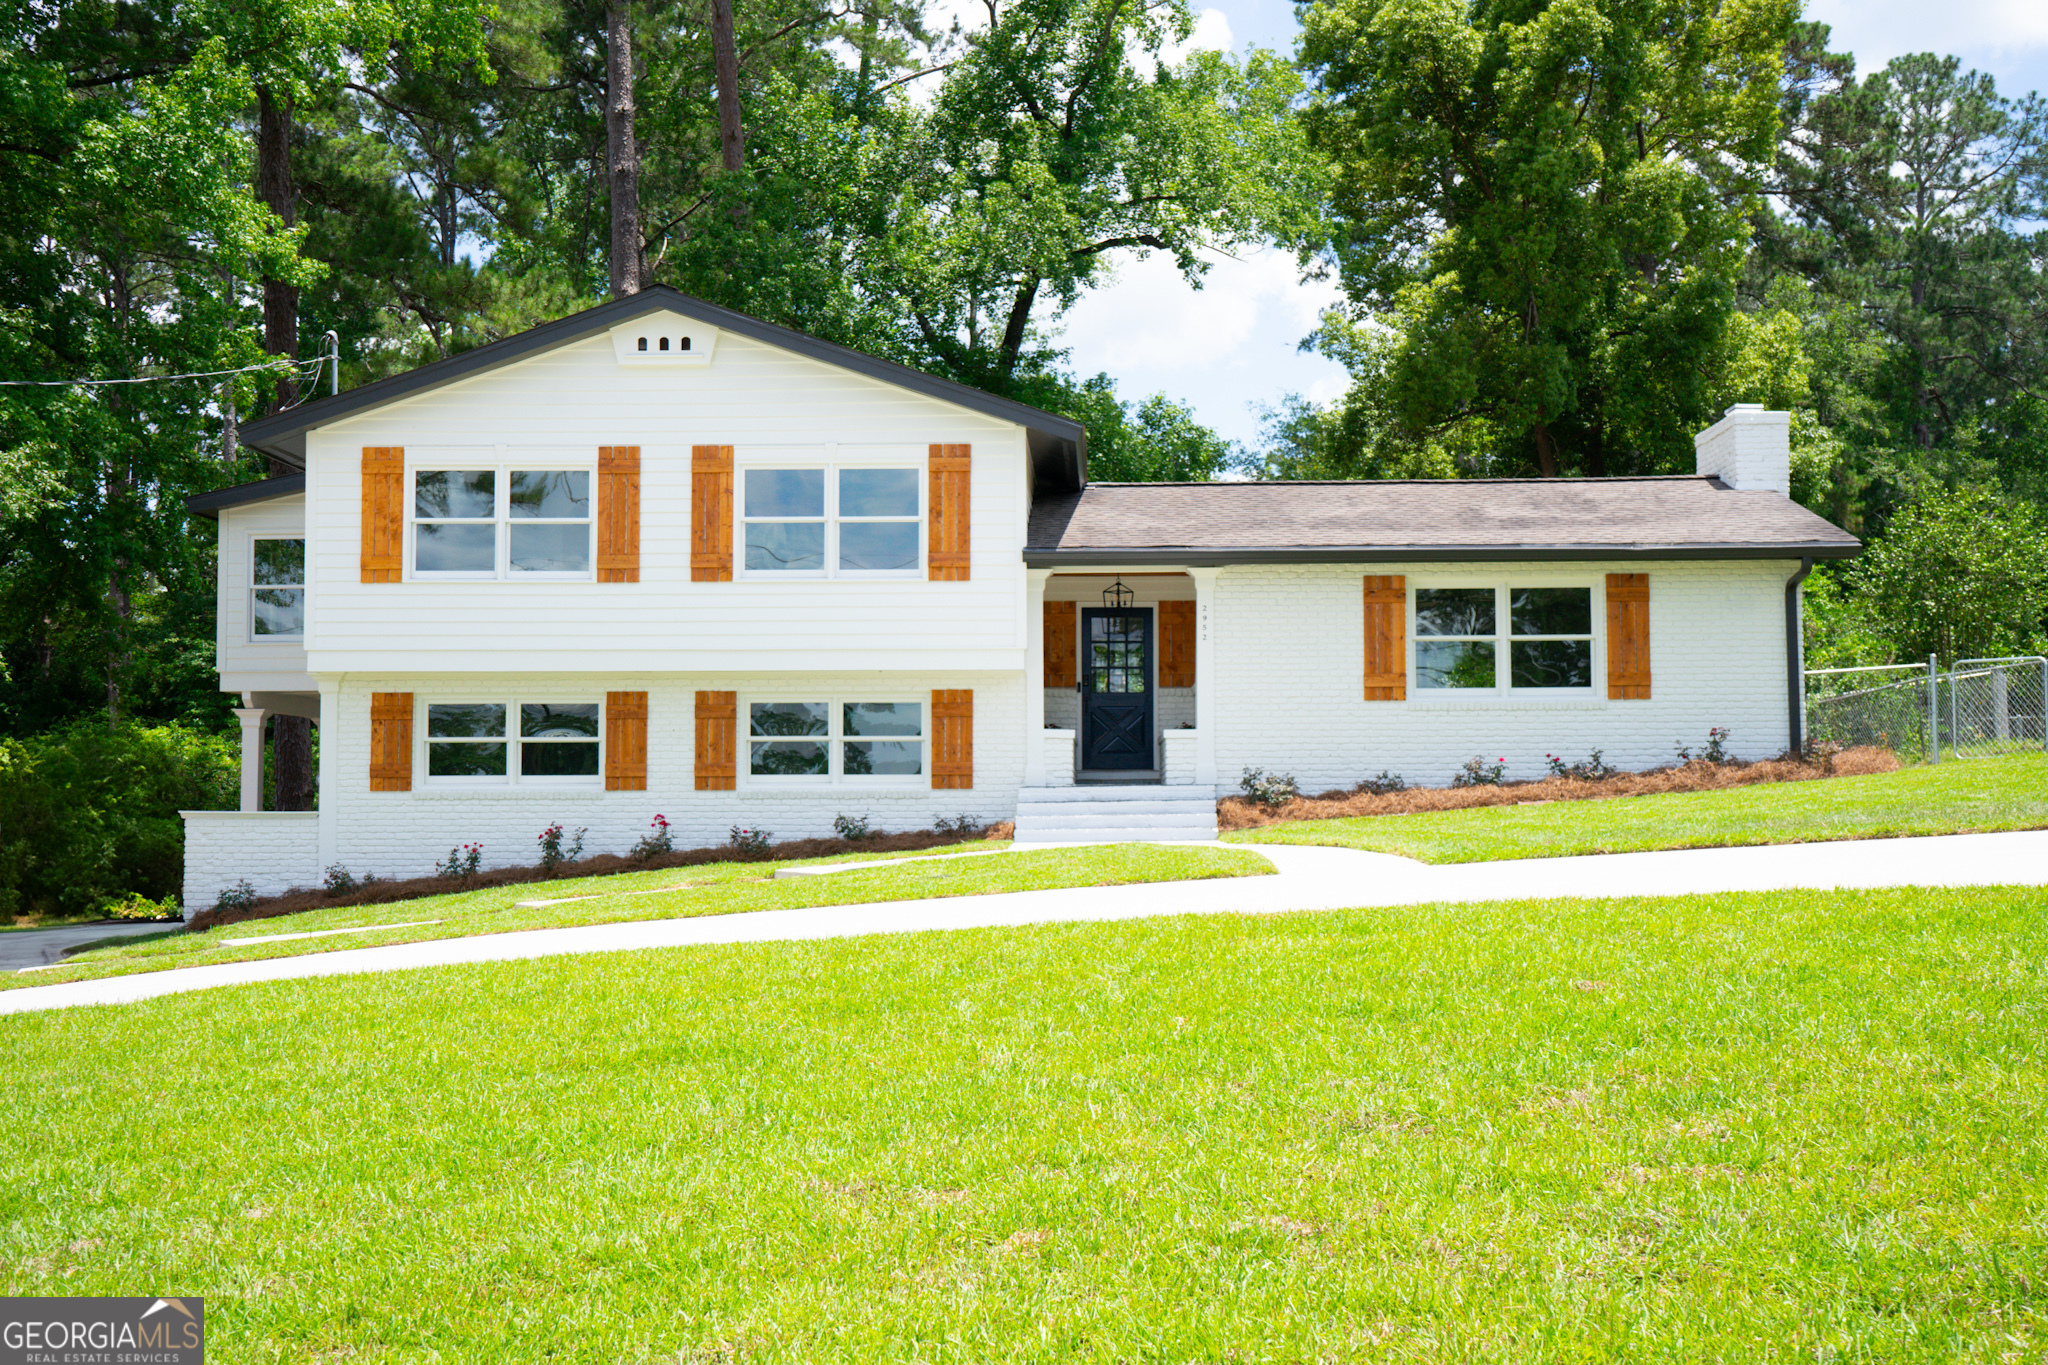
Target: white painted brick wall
1179,746
1059,757
404,834
274,850
1290,656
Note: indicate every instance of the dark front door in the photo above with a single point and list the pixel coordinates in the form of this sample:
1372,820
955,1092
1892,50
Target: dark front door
1116,688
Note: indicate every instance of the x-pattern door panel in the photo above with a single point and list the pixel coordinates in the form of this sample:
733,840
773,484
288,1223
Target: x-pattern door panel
1116,688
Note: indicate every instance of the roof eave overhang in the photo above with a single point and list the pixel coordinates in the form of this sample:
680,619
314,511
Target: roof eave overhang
1058,444
211,505
1206,557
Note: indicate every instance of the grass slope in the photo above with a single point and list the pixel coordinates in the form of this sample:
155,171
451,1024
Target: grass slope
710,889
1950,798
1780,1127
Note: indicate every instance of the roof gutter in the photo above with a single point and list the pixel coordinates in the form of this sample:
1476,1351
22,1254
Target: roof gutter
1806,551
1795,673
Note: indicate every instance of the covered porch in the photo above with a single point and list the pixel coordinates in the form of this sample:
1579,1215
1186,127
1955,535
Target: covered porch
1123,694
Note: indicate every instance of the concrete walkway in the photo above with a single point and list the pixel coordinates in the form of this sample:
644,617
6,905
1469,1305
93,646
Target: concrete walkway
1309,879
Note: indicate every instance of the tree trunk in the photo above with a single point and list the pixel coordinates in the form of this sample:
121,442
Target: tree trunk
622,151
1013,331
725,53
291,736
1546,451
274,187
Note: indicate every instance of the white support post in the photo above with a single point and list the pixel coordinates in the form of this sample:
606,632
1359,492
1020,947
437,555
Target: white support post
1205,676
330,778
1034,676
252,756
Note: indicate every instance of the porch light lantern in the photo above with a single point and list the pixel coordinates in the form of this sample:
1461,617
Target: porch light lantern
1116,596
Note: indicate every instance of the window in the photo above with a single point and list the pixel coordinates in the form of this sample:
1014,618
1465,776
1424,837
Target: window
833,521
277,591
1527,638
832,741
502,522
468,743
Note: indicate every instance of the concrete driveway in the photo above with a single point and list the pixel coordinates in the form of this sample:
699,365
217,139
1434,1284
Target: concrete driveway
1309,879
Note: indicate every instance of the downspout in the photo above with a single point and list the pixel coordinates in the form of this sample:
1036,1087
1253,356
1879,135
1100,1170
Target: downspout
1795,676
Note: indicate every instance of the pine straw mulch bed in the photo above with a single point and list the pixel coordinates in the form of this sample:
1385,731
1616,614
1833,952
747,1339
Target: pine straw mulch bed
380,892
1241,812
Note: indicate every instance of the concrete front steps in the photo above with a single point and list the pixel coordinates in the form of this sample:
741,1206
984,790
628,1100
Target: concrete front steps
1104,814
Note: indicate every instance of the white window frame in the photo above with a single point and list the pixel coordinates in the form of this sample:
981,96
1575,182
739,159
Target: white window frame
503,463
512,780
834,739
1503,638
831,462
298,640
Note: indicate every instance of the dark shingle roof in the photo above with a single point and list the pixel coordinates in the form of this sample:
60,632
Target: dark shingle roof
1690,517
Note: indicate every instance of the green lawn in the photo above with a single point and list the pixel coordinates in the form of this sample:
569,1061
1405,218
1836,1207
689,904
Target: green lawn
1786,1127
1950,798
713,889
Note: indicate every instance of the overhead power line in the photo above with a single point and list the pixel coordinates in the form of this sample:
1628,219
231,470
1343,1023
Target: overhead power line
308,369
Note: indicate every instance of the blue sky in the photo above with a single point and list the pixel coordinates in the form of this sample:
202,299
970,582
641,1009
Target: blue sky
1231,346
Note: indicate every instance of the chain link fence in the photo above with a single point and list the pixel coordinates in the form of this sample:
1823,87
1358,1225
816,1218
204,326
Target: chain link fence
1976,709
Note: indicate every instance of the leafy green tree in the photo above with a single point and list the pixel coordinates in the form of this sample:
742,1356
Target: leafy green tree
1155,441
1961,574
1543,203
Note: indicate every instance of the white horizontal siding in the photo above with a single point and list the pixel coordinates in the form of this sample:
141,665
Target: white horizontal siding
247,664
754,397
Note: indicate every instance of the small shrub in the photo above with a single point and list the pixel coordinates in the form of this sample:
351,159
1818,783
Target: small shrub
1590,770
1714,751
750,840
1821,751
136,906
1386,784
240,896
462,861
958,824
852,828
655,842
338,881
1477,772
552,854
1268,789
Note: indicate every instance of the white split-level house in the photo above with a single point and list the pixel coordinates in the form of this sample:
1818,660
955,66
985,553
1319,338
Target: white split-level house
660,558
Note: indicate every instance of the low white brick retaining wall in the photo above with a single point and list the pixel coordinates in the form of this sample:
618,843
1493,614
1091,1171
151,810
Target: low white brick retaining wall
275,850
1179,747
1059,758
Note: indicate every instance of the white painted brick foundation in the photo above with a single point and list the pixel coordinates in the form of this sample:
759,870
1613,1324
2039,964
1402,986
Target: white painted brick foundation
404,834
1178,746
274,850
1290,648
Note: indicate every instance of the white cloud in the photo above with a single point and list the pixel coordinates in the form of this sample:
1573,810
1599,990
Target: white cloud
1223,349
1211,34
2009,38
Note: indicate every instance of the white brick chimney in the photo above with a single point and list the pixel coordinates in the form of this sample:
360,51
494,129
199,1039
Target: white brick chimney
1748,448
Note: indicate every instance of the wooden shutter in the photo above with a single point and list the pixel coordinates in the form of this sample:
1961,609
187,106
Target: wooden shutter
625,741
1059,644
618,518
1386,637
711,518
953,739
947,479
1176,644
1628,637
717,741
383,553
391,741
